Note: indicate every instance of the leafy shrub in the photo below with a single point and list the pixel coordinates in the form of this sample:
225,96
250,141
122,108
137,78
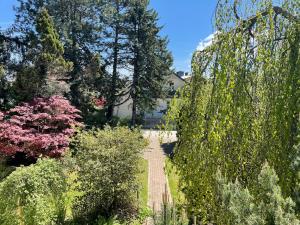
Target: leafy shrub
95,118
41,127
108,166
37,194
268,206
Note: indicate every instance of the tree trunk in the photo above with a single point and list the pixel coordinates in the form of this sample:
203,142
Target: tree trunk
134,113
112,95
134,93
136,71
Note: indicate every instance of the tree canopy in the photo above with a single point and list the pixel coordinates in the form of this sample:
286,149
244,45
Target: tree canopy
242,106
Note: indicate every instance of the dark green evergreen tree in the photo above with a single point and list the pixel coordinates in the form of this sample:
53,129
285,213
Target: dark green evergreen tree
151,61
50,62
107,42
79,28
4,58
43,69
10,50
115,43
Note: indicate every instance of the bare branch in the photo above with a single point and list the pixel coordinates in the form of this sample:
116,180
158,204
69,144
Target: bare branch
235,10
121,103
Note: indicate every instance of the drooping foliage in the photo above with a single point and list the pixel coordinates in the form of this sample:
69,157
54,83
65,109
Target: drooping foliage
41,127
242,106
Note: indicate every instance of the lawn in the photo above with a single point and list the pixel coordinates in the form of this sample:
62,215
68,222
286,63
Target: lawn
143,182
173,180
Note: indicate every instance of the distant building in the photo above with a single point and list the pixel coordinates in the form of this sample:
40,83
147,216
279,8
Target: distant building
187,77
173,84
180,73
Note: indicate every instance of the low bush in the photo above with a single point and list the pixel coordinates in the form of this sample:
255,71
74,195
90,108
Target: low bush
108,166
267,206
143,214
39,194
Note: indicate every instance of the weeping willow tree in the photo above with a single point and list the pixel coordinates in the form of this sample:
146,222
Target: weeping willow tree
242,106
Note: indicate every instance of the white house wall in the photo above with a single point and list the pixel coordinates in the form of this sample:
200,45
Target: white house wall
125,110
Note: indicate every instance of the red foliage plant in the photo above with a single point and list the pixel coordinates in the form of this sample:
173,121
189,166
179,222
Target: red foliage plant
100,102
42,127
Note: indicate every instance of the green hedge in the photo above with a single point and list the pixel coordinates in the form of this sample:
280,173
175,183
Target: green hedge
108,162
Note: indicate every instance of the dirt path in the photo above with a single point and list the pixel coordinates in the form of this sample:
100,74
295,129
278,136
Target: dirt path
157,183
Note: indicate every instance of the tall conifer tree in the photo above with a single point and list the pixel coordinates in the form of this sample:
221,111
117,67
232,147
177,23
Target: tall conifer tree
115,43
43,68
151,61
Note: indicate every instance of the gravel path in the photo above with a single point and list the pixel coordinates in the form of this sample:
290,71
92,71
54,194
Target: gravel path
157,183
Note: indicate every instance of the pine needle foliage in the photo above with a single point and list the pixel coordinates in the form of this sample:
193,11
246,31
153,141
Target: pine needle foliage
268,206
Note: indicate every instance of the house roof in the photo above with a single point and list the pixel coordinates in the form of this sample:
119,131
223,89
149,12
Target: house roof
186,77
178,77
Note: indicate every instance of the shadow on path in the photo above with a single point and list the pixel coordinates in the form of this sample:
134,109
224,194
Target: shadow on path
168,148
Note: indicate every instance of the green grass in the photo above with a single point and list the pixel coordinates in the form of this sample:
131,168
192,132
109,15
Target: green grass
173,180
143,182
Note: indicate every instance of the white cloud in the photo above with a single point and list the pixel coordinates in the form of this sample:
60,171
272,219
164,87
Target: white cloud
206,42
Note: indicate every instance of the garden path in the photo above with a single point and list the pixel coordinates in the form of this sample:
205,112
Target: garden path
157,180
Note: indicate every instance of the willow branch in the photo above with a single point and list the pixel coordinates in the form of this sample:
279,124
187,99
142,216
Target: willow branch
249,23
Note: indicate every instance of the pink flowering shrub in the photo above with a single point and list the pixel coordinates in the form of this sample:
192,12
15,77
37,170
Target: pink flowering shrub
38,128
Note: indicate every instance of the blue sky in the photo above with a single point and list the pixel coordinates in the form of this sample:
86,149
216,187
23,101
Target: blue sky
186,23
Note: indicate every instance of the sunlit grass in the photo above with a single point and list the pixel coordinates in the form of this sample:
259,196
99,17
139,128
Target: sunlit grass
173,180
143,183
